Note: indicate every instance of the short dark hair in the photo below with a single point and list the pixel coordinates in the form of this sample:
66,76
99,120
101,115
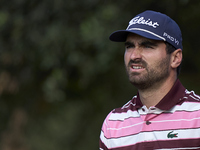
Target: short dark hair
170,49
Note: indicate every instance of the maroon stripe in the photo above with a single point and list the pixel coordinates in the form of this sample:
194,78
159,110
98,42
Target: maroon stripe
186,143
102,145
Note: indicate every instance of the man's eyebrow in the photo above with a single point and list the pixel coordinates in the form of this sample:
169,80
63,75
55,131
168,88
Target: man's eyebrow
147,42
128,43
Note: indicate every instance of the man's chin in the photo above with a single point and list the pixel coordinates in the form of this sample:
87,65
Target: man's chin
140,84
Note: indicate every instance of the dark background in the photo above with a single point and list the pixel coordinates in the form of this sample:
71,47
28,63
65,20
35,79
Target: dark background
60,75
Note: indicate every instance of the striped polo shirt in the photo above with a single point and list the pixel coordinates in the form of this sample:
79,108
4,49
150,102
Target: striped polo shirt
174,123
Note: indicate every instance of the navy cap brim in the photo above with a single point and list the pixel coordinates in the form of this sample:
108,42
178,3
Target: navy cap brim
121,35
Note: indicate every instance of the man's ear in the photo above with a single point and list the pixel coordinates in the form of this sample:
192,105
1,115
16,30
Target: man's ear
176,58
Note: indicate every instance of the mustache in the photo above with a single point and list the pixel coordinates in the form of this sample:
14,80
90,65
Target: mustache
137,61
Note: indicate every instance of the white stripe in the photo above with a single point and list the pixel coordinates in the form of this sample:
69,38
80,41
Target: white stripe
136,124
186,106
124,115
177,120
194,97
148,32
128,104
149,136
192,94
189,92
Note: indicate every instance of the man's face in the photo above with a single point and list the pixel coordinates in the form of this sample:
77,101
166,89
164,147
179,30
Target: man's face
146,61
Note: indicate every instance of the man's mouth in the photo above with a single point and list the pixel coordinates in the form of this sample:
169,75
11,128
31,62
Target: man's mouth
137,67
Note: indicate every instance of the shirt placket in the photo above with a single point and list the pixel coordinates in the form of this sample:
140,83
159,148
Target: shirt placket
148,115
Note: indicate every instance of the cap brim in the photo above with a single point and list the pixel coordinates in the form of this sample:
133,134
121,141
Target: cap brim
121,35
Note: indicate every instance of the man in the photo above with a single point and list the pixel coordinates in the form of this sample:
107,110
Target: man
163,114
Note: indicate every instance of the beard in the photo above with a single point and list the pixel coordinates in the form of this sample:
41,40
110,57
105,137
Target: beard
153,74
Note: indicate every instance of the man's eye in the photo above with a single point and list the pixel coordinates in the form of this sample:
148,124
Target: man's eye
148,46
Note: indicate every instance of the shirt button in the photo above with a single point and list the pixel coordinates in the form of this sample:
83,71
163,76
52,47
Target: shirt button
148,122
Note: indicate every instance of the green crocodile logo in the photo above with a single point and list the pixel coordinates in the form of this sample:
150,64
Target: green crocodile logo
170,135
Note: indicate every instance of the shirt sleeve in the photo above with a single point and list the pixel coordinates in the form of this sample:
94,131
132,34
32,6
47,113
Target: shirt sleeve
102,146
104,141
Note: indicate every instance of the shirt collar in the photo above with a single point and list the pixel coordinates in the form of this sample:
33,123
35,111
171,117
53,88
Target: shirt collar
173,97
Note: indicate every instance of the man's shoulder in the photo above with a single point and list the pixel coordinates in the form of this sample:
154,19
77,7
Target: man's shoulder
123,113
130,105
191,96
190,102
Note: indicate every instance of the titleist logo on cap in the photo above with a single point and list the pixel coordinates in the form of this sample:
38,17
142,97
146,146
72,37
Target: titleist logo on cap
141,20
152,25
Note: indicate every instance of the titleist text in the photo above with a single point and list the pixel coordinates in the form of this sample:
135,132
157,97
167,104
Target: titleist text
141,20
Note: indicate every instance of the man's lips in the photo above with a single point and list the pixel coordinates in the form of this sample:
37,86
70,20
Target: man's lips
137,64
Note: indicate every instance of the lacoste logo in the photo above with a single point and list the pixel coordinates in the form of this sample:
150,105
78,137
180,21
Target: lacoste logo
170,135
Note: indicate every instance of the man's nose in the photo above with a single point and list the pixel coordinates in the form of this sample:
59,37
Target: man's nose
136,53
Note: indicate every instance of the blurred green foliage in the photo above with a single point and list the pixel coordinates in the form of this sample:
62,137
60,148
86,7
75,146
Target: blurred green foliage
60,75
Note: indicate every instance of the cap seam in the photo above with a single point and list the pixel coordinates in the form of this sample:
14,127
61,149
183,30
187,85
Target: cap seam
147,32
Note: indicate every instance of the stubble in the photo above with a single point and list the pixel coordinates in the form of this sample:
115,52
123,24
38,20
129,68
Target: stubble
152,75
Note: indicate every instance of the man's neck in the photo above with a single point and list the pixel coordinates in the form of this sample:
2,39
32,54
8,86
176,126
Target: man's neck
152,96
